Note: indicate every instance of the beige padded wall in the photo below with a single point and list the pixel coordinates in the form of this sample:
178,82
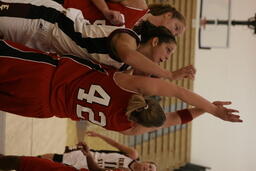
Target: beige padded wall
27,136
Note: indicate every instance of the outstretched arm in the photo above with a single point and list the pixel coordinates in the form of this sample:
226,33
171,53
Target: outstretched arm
151,86
175,118
114,17
158,87
131,152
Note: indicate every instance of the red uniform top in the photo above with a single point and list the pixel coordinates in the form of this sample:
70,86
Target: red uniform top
40,164
33,84
91,12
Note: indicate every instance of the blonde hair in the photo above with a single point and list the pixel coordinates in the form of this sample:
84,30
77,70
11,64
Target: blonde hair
145,111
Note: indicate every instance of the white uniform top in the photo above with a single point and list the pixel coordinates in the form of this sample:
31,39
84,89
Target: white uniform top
105,159
47,26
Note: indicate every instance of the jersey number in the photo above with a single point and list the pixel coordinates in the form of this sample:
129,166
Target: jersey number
91,98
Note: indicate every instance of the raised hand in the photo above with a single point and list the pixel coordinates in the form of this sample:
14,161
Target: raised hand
84,148
226,114
185,72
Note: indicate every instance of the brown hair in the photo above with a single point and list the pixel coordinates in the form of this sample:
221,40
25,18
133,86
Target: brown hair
159,9
145,111
147,31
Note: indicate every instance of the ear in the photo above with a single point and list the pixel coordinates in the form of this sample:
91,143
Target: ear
168,15
155,41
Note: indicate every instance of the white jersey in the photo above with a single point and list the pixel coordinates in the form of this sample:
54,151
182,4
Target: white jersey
47,26
105,159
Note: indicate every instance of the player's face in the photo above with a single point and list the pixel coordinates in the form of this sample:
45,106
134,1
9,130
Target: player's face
145,166
174,25
162,52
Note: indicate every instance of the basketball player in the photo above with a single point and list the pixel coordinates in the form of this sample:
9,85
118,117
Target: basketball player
25,163
126,157
129,12
33,84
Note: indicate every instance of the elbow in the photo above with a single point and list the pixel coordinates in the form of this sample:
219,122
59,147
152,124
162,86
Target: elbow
126,59
134,154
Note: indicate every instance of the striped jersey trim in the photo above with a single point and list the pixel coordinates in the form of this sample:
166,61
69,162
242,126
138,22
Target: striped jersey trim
7,50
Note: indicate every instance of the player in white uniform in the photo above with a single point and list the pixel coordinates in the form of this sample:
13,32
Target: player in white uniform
126,157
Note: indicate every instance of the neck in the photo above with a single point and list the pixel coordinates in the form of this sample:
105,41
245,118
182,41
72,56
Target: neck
143,49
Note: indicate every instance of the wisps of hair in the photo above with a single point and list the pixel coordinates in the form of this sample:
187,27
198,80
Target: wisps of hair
159,9
149,31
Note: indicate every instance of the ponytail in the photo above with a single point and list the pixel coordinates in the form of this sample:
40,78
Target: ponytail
145,111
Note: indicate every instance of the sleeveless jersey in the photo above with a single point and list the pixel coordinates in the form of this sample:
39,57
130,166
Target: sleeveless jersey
91,12
104,158
62,31
33,84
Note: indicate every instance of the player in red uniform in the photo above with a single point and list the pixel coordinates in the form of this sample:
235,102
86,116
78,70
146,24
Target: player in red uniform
24,163
34,85
109,13
129,12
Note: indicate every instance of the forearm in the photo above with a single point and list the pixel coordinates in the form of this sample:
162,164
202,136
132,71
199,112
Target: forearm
92,165
101,5
145,65
196,100
109,141
131,152
176,118
164,88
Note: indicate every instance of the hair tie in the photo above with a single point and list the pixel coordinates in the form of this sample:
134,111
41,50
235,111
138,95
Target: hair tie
146,107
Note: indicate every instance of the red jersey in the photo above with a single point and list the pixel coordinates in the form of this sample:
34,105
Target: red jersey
91,12
40,164
34,84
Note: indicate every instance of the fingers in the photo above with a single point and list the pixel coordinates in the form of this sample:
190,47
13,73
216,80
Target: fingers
190,71
222,103
232,111
83,146
234,118
91,133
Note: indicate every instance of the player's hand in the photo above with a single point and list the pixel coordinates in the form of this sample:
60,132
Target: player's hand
185,72
84,148
226,114
114,17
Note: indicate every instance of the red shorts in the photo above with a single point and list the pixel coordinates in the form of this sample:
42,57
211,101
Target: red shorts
39,164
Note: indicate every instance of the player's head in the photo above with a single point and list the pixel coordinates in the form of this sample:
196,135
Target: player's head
145,111
144,166
170,18
157,42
